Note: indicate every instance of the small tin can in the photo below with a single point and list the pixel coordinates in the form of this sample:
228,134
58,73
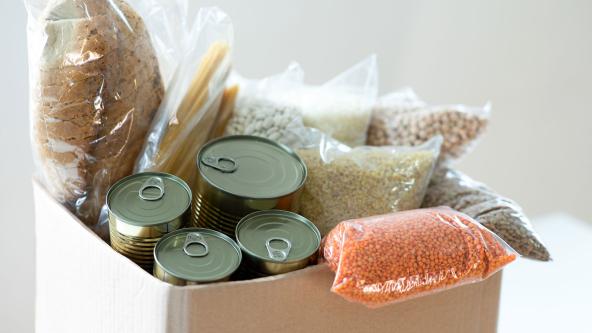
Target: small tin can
275,242
241,174
142,208
195,256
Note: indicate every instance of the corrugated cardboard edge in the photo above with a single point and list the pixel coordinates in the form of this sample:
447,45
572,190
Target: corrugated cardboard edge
85,286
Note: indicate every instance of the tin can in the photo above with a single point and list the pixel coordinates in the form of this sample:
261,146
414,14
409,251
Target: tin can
142,208
195,256
275,242
241,174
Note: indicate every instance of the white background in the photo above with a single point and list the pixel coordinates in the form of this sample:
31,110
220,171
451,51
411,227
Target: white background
532,59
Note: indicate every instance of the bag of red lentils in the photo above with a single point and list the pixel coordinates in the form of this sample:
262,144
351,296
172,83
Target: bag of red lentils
390,258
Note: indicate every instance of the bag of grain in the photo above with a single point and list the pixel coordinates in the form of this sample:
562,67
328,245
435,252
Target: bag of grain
342,106
345,183
503,216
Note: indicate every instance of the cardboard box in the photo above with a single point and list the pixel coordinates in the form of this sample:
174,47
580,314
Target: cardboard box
85,286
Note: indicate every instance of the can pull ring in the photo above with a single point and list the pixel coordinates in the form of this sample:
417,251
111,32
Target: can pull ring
152,182
220,163
276,253
195,238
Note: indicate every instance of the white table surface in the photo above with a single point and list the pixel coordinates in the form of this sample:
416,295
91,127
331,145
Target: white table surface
556,296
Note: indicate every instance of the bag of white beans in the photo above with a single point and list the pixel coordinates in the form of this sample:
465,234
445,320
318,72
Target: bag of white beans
278,106
261,108
401,118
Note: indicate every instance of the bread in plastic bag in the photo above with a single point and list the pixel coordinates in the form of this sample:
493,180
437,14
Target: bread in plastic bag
401,118
503,216
345,183
389,258
262,110
188,115
95,85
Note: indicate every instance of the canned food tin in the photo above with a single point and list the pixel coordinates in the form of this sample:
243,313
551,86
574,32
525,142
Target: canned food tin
240,174
276,242
195,256
142,208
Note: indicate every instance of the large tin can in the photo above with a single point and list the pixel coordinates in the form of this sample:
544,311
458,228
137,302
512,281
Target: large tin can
195,256
142,208
275,242
241,174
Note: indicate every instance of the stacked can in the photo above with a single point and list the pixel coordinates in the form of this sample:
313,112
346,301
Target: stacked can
275,242
195,256
241,174
143,208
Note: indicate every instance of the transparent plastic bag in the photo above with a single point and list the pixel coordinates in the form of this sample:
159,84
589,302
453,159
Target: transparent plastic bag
192,105
401,118
261,110
97,71
342,106
502,216
345,183
389,258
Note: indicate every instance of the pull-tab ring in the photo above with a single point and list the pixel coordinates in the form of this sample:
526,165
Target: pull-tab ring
220,163
152,182
275,253
195,238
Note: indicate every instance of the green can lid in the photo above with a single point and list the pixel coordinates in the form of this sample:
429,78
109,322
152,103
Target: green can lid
198,255
251,167
278,236
149,198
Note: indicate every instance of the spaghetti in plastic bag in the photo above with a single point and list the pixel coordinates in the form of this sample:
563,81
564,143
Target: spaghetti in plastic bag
188,115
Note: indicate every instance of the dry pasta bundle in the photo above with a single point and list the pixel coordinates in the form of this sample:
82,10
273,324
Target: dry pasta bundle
193,107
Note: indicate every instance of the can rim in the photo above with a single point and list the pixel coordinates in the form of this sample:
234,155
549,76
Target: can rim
149,173
208,231
285,213
287,149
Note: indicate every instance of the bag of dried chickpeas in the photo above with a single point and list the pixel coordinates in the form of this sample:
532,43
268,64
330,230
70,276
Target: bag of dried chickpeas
401,118
389,258
345,183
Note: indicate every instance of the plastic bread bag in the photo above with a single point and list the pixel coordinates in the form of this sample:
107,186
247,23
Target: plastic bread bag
342,106
401,118
261,110
345,183
188,115
501,215
97,71
389,258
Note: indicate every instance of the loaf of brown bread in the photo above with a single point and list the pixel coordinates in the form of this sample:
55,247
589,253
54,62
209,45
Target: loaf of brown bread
98,88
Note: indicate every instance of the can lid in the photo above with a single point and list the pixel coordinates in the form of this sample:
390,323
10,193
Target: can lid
252,167
197,254
149,198
277,235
